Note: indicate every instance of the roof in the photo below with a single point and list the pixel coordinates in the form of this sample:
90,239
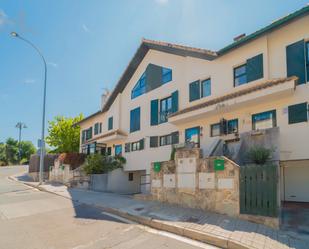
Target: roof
235,94
181,50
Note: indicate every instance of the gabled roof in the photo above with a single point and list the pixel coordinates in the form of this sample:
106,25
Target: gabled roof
181,50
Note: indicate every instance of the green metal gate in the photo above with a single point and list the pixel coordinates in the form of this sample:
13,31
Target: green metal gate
258,190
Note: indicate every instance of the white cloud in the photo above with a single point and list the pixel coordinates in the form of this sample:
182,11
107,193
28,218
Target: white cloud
3,18
53,64
85,28
162,1
29,81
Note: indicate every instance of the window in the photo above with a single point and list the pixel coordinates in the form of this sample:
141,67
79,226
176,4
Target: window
232,126
139,145
135,119
109,151
92,148
215,130
140,87
118,150
110,123
87,134
165,108
127,147
192,135
307,63
130,177
166,140
97,128
240,75
166,75
84,136
206,88
264,120
298,113
153,141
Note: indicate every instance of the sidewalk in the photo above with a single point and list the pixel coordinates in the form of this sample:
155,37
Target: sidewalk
215,229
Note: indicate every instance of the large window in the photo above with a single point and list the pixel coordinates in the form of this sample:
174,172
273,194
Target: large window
240,75
192,135
206,88
215,130
135,119
166,140
166,75
140,87
298,113
264,120
224,127
97,128
118,150
138,145
165,108
232,126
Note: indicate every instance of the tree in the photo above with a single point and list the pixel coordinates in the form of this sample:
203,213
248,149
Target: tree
62,135
27,149
9,152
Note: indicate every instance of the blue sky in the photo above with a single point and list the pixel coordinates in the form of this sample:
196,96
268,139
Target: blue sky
88,44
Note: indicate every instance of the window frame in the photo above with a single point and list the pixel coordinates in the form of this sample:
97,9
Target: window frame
202,88
167,140
135,146
163,116
211,130
135,119
199,134
139,89
236,77
130,177
165,74
274,119
118,146
228,128
110,125
299,121
307,59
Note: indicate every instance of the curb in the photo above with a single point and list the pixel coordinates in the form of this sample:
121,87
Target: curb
157,224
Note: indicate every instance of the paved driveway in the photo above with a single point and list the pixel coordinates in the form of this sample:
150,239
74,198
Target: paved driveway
37,220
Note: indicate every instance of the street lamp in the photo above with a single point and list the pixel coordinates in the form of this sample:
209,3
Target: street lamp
42,147
20,126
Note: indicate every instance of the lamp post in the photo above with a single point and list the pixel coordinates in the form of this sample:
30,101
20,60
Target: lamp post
20,126
42,147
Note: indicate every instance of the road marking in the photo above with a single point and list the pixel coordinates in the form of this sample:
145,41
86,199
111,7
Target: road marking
163,233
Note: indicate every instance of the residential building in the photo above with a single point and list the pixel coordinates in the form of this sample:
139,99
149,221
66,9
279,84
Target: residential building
172,94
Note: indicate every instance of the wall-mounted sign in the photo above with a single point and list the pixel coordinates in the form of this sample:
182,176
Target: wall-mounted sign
157,166
219,164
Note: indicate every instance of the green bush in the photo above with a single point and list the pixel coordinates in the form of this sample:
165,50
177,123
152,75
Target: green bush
100,164
173,152
259,154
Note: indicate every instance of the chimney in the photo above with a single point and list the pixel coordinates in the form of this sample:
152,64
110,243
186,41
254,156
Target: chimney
238,38
104,97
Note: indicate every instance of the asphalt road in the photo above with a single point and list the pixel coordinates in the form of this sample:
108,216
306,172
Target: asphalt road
32,219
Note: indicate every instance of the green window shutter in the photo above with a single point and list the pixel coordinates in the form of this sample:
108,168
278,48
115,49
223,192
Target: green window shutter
90,132
141,144
175,137
154,112
135,119
194,91
298,113
255,68
154,141
295,61
175,101
110,123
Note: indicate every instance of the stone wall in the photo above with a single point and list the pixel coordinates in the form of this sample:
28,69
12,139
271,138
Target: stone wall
192,181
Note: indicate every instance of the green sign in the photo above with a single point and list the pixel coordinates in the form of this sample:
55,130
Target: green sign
219,164
157,166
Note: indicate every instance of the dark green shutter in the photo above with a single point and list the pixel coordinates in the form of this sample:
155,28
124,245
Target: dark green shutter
110,123
194,91
141,144
298,113
175,137
175,101
135,119
154,141
154,112
255,68
295,61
